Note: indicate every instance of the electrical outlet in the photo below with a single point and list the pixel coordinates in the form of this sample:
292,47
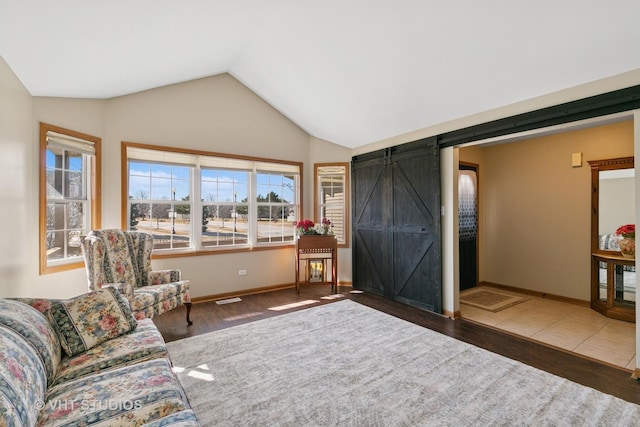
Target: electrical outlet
242,272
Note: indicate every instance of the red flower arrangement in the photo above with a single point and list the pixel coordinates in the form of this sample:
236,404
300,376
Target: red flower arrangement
627,231
308,227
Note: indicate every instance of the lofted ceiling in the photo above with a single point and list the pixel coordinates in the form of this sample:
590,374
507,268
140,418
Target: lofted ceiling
352,72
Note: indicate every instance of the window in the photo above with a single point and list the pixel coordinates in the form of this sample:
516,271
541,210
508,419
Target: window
225,221
198,201
159,200
69,195
332,198
276,206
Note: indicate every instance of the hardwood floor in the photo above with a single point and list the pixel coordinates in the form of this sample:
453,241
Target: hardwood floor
209,316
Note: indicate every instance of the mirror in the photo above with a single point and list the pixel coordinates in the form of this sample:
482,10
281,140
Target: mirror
616,204
613,201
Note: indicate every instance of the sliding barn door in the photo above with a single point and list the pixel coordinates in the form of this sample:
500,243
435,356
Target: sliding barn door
396,224
371,213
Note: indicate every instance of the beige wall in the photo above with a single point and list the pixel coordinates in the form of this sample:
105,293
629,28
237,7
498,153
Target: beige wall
216,114
535,208
16,185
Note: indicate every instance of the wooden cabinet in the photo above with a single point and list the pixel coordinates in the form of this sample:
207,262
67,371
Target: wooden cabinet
317,261
613,286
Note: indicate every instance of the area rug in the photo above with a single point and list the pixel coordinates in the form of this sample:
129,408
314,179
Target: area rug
344,364
489,299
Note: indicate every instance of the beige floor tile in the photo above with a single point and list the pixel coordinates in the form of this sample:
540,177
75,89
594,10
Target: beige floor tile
477,314
567,326
619,332
585,321
522,326
567,333
558,339
614,342
609,354
632,364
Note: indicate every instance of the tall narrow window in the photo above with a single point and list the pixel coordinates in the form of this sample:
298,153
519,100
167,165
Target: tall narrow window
69,195
225,209
332,198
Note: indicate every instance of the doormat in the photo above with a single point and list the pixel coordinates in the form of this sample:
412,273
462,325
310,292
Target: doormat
489,299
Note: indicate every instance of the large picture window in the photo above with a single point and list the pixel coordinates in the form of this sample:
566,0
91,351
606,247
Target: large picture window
69,195
198,201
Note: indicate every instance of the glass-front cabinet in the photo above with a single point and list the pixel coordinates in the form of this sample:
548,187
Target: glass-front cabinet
616,287
613,276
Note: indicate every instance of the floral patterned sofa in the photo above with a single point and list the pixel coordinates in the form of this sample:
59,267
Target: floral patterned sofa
85,361
120,258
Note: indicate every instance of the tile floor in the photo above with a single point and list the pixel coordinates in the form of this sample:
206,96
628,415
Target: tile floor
567,326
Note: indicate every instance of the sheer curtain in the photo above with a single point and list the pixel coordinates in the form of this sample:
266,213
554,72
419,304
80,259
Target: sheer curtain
467,209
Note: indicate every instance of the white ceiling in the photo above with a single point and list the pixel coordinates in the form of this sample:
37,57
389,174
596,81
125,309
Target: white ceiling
352,72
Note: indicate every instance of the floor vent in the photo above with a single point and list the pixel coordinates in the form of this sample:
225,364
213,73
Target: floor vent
228,300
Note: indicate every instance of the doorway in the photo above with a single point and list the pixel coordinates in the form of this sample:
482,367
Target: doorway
468,224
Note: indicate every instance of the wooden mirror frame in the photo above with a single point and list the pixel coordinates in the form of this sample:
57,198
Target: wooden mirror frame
609,306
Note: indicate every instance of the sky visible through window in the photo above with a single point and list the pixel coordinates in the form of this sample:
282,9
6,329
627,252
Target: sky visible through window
75,161
157,181
224,186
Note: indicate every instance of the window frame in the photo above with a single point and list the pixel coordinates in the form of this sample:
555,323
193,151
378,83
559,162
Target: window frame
93,186
318,202
196,204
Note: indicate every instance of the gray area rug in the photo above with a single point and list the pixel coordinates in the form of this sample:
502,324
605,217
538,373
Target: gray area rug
344,364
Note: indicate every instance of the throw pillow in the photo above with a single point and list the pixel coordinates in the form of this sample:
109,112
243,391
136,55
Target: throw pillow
87,320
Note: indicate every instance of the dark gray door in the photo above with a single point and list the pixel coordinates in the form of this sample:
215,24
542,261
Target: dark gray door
396,224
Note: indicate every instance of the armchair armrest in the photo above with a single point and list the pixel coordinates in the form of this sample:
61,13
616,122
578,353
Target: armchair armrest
125,289
161,277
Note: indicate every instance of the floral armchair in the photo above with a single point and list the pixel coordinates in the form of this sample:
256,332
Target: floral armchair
122,259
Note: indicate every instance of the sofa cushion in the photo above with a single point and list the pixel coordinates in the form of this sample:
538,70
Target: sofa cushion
145,342
89,319
41,304
23,380
33,326
128,396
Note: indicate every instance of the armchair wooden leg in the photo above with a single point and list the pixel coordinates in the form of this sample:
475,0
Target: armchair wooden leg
188,305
